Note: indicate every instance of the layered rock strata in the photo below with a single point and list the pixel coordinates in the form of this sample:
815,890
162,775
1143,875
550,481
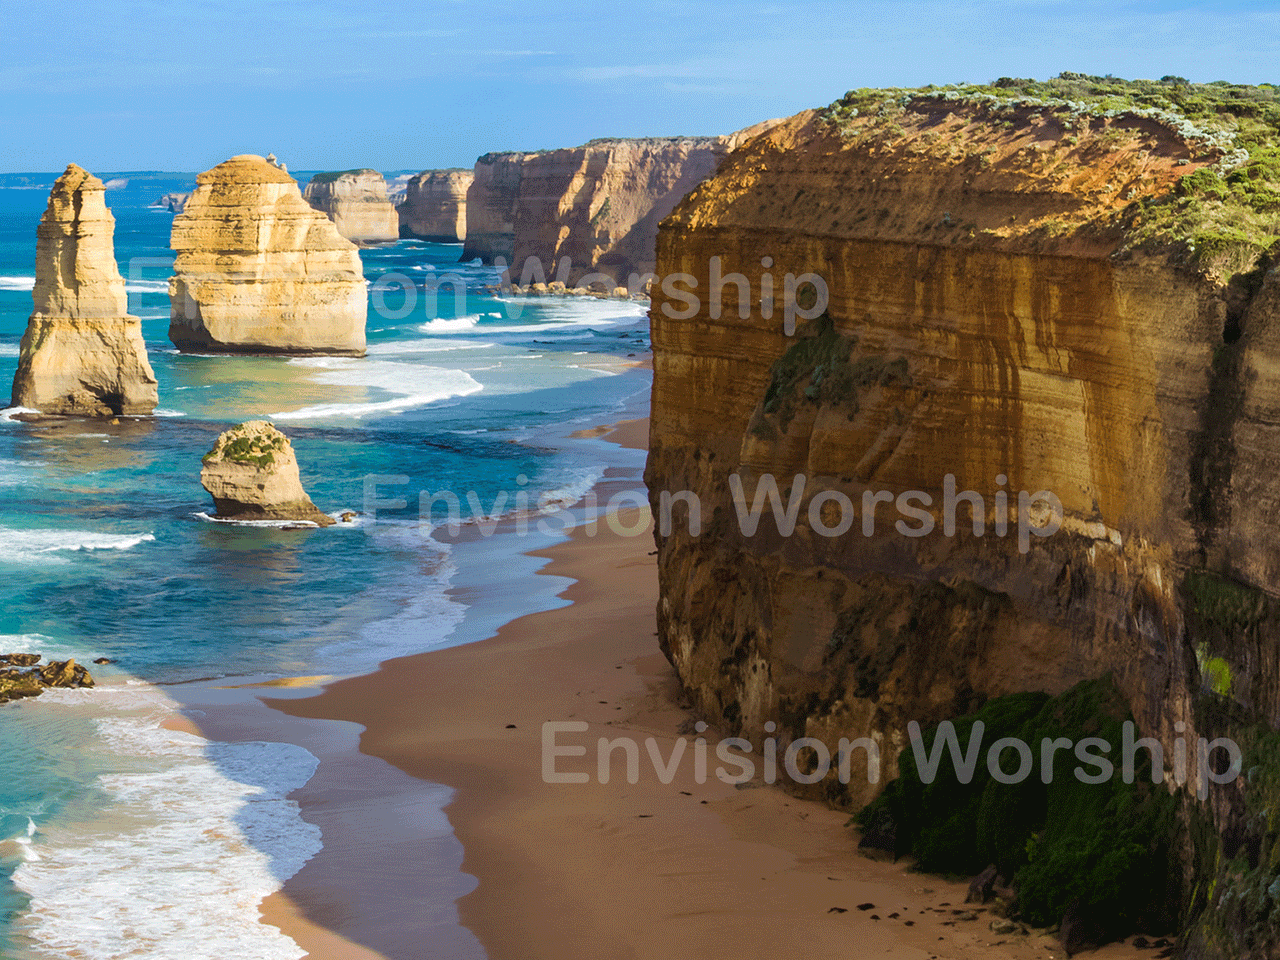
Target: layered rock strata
599,205
992,319
82,354
356,201
435,206
491,206
259,271
252,474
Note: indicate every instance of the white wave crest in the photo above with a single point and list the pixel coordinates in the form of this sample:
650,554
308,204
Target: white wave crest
265,524
17,283
147,286
193,835
451,324
45,546
412,385
425,345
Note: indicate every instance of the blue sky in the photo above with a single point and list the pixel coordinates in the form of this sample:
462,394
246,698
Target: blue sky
331,84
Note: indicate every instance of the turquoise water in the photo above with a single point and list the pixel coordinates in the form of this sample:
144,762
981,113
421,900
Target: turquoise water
106,550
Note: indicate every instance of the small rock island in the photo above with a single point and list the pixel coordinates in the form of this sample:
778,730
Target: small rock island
252,474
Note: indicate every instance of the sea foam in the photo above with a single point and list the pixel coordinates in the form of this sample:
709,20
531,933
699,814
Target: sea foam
412,385
37,546
192,835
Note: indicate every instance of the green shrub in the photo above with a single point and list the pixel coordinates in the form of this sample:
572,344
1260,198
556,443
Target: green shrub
1108,846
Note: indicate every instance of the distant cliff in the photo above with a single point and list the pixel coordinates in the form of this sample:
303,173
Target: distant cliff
356,201
260,271
491,206
173,202
1026,294
435,206
598,204
82,354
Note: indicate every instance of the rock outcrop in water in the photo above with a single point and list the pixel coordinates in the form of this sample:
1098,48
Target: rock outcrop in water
82,354
356,201
173,202
20,676
1003,313
252,474
435,206
259,271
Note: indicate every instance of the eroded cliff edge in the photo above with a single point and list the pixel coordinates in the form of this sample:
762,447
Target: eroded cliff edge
1025,296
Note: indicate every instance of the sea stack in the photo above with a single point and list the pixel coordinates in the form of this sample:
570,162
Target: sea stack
356,201
259,271
252,474
435,206
82,354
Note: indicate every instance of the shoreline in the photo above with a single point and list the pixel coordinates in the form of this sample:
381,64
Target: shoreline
644,870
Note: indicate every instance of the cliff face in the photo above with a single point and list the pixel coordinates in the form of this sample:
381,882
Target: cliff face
260,271
356,201
82,354
990,318
598,204
435,206
491,206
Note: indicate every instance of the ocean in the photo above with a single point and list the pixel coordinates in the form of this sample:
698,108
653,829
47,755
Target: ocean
120,837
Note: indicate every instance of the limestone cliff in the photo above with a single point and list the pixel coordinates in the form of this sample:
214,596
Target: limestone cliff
435,206
491,206
252,474
1010,305
259,271
600,204
356,201
82,353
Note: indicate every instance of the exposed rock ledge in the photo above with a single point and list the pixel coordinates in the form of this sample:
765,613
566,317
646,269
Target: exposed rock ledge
252,474
82,354
356,201
259,271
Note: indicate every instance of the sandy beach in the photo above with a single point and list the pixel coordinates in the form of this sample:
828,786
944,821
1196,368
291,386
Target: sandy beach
618,870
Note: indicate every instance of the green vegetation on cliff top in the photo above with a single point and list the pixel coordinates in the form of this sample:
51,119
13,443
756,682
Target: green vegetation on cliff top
331,176
1226,215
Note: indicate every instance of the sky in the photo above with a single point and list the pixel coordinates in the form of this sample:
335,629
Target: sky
334,84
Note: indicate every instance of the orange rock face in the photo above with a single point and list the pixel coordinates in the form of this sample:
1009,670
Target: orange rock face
598,205
435,206
990,320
